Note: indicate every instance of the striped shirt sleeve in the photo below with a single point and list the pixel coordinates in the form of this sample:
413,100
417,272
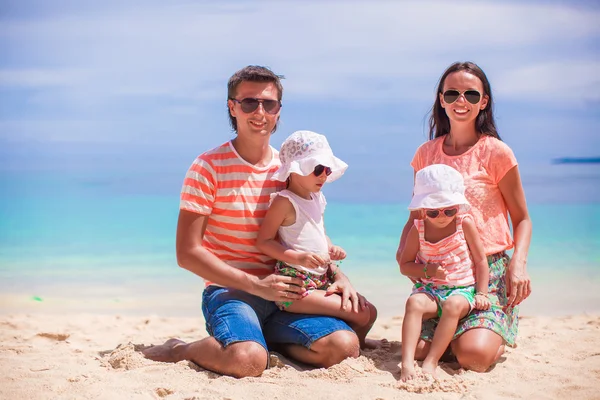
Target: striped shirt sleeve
199,187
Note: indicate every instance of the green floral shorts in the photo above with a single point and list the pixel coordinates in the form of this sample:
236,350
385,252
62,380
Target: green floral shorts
310,281
499,318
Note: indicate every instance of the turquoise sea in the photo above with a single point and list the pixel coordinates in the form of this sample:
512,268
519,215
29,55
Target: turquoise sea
91,242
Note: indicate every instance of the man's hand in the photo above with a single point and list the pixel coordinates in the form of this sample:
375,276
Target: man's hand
278,288
343,286
336,253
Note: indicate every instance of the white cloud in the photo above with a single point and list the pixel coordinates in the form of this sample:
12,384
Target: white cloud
555,82
389,50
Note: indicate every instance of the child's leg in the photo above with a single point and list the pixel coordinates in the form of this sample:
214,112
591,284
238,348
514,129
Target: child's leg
419,306
361,322
454,308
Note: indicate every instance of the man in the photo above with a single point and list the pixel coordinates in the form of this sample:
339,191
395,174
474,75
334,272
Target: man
224,198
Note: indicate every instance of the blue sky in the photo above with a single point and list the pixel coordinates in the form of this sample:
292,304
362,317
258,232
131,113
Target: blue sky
140,86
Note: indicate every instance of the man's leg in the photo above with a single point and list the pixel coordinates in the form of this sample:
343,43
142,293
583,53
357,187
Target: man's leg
312,339
239,359
236,346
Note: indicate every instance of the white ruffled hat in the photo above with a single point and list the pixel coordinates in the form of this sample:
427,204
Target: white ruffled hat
439,186
302,151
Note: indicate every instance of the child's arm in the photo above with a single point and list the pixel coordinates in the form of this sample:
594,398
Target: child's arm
280,212
482,269
335,252
409,267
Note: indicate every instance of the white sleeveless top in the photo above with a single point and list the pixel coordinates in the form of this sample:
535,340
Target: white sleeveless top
307,234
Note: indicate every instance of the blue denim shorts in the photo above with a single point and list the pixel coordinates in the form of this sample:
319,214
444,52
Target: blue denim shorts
236,316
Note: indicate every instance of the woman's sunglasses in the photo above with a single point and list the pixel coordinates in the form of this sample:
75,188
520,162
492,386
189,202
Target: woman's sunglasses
472,96
319,170
250,105
448,212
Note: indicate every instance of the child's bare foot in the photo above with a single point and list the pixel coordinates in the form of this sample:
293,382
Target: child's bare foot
167,352
429,368
407,372
376,344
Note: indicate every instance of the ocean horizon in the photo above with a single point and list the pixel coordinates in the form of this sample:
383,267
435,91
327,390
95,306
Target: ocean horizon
95,241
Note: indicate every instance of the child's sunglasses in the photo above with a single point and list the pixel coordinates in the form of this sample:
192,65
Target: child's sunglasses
472,96
448,212
319,170
250,105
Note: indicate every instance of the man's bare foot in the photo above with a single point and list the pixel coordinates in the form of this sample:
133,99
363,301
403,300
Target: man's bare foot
376,344
170,351
429,368
407,372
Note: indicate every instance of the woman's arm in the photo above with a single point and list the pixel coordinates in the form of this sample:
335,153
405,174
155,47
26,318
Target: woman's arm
518,281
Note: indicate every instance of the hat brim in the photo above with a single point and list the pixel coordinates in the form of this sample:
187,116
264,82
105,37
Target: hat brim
307,165
434,201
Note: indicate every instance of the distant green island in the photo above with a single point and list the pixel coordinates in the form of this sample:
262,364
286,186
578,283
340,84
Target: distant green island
576,160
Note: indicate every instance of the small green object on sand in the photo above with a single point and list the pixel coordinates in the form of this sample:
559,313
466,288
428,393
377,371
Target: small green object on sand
37,298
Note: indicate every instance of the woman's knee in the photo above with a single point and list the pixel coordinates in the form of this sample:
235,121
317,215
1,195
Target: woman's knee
247,359
477,351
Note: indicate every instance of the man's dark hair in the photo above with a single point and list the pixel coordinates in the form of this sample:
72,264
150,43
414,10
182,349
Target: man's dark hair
251,73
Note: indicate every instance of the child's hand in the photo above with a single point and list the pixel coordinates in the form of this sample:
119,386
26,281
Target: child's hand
310,260
337,253
436,271
482,302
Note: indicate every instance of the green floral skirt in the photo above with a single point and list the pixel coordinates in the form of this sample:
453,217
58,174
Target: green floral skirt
499,318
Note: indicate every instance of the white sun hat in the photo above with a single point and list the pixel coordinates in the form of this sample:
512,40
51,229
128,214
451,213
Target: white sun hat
302,151
439,186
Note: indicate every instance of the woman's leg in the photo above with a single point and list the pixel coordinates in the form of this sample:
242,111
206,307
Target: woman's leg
419,306
478,349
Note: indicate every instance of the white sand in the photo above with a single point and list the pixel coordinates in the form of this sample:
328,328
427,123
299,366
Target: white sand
87,356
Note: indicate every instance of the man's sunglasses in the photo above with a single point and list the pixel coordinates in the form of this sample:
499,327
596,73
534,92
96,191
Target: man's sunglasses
472,96
319,170
448,212
250,105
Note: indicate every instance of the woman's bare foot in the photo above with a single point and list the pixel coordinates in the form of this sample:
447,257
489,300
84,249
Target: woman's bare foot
170,351
429,368
407,372
376,344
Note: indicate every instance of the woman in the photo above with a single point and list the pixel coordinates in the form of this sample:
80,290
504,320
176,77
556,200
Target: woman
463,135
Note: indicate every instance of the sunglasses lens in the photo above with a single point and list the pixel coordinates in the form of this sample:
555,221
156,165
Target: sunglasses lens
249,105
319,170
450,96
271,106
432,213
472,96
451,212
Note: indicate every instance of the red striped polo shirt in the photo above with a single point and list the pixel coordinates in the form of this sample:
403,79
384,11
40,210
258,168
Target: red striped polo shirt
235,196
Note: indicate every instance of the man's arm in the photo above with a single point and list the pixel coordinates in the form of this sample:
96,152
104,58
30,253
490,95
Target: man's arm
194,257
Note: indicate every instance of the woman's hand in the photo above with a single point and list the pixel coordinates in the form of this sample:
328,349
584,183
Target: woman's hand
518,283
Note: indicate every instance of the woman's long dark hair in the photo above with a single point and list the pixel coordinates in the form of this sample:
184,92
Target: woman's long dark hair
439,123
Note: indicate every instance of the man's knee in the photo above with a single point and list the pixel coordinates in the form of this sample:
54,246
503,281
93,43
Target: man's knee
336,347
247,359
